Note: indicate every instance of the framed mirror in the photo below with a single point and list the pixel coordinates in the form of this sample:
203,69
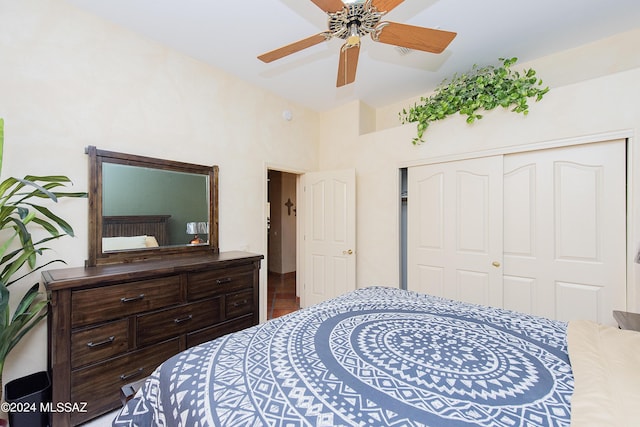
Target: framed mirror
146,208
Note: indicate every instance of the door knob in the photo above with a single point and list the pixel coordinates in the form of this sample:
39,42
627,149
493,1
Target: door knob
348,252
495,264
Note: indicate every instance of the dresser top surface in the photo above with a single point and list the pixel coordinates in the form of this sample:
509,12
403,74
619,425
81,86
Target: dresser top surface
74,276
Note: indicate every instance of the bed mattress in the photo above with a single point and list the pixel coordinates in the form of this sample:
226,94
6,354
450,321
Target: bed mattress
374,357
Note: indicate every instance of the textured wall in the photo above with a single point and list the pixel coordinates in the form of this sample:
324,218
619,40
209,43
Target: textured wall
69,80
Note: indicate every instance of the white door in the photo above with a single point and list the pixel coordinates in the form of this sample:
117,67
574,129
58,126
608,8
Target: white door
562,230
454,234
330,235
565,231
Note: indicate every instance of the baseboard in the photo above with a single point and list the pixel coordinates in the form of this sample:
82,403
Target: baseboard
289,275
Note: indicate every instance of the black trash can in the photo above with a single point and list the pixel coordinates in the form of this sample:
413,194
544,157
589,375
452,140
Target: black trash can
30,394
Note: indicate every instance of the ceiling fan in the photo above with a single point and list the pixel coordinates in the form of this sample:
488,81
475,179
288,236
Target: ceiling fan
355,18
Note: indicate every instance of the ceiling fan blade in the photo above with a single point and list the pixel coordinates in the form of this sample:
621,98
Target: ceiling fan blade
386,5
292,48
418,38
348,65
329,6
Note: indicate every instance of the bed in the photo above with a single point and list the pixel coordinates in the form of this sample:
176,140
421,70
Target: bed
134,232
374,357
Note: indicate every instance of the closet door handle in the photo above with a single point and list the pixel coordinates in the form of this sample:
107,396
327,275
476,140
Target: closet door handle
496,264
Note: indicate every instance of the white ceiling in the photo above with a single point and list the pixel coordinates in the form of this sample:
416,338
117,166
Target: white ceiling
230,35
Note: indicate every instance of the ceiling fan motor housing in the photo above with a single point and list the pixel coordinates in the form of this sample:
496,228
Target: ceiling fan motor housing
355,20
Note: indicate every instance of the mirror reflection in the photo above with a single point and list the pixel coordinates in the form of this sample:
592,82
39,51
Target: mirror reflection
171,205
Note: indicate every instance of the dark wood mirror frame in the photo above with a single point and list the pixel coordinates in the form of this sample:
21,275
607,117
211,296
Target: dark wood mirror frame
96,223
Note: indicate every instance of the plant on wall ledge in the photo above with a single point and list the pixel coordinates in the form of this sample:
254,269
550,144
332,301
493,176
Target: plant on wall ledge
19,215
482,88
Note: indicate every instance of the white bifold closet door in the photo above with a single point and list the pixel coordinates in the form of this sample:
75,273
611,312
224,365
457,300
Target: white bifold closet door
454,230
542,232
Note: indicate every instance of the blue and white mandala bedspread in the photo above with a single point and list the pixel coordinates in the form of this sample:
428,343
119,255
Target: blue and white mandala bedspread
373,357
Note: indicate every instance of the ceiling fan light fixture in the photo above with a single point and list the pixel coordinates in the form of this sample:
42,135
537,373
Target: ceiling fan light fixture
354,36
353,40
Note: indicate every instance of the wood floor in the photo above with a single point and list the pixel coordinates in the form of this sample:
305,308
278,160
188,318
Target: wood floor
281,294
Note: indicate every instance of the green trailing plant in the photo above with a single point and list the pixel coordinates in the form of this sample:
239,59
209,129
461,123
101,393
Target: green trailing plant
18,214
482,88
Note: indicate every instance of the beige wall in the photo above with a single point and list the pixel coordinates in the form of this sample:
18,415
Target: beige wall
68,80
288,222
602,97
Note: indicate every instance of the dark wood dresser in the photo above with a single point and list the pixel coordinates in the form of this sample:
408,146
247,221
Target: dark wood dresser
113,324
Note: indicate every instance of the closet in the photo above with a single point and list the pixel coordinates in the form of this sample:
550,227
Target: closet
542,231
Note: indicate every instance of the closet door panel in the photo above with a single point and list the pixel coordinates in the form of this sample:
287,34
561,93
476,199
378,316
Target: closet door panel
455,227
520,211
565,226
430,191
578,202
521,242
473,286
519,293
431,280
473,210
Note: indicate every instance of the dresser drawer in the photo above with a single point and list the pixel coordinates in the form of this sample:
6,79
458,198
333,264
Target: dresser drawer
215,282
159,325
112,302
99,385
99,343
212,332
238,303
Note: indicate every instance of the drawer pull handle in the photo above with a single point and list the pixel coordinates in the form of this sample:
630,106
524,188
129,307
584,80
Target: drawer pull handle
183,319
223,281
132,299
125,377
109,340
239,303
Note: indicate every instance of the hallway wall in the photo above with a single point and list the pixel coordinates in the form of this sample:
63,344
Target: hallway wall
282,233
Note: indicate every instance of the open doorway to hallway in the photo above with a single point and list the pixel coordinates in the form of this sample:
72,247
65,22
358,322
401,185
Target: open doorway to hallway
282,297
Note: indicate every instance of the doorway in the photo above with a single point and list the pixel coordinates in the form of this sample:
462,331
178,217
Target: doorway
282,295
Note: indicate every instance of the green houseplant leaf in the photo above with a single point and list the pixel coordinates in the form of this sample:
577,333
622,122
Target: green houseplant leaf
20,212
482,88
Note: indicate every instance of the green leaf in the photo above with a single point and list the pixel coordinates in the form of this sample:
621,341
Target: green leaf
40,267
483,88
26,301
1,145
4,307
59,221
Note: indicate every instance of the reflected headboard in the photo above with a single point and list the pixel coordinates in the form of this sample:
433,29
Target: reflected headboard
137,225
